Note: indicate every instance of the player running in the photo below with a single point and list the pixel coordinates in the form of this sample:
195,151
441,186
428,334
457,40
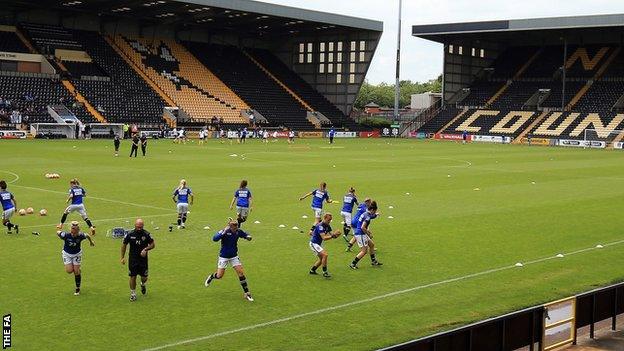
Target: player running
72,253
318,196
291,136
116,143
321,232
140,241
229,255
360,210
364,236
8,207
76,195
181,197
348,201
243,199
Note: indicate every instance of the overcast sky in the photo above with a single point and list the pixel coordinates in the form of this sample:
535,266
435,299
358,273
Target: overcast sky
422,60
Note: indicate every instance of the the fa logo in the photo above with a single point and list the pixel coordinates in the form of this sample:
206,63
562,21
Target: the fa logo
6,331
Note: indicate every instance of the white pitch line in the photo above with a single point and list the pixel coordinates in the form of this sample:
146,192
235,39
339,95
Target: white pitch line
17,177
101,220
370,299
95,198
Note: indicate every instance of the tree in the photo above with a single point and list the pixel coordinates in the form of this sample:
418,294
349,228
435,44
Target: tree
383,93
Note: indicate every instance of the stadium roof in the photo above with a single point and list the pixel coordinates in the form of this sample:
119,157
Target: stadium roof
214,15
492,30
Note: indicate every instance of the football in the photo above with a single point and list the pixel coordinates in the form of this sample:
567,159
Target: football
22,212
30,210
43,212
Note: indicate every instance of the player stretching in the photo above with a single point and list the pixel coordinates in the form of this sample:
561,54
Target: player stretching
76,194
8,207
140,242
348,201
229,255
321,232
72,253
318,196
364,236
181,196
242,197
360,210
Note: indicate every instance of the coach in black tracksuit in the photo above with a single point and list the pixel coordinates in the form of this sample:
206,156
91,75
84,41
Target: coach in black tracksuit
143,143
135,145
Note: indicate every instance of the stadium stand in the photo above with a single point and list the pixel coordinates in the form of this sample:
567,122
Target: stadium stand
442,118
300,87
252,84
10,42
184,79
126,97
48,38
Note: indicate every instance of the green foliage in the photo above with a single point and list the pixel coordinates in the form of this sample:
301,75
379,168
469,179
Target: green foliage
375,122
383,93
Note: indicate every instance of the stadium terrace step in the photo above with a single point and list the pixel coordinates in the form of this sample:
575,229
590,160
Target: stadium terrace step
458,117
72,89
526,131
292,93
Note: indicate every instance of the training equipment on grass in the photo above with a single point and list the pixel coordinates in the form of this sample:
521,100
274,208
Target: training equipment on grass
116,233
22,212
30,210
43,212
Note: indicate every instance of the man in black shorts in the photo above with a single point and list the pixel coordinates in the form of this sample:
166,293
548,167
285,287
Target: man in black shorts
140,242
143,144
116,142
135,145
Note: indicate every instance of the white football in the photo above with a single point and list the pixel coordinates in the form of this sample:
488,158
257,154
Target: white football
43,212
22,212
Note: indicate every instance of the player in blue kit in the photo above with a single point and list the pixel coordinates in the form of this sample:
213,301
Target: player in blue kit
72,253
319,196
363,236
181,197
243,200
360,210
8,207
348,201
229,255
322,232
76,195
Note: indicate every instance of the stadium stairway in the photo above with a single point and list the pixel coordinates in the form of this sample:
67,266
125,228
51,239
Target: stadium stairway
131,63
25,41
279,82
531,126
603,68
72,89
454,120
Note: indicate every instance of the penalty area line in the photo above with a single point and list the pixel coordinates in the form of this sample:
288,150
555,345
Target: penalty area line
372,299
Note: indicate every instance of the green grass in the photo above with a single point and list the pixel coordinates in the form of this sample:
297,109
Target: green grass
444,229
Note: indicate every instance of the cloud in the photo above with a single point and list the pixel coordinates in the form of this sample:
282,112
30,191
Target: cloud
421,59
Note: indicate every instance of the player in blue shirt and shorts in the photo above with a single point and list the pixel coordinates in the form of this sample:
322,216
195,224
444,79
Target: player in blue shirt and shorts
243,200
181,197
8,207
76,195
228,255
360,210
322,232
348,201
363,236
319,196
72,253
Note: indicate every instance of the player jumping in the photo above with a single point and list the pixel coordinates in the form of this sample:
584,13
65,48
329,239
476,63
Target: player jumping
229,255
243,199
72,253
76,195
321,232
181,197
8,207
364,236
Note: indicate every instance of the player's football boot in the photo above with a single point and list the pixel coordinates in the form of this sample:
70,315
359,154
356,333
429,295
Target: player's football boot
248,297
133,297
143,289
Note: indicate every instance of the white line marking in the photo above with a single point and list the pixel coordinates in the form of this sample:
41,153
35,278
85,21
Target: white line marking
95,198
370,299
101,220
13,174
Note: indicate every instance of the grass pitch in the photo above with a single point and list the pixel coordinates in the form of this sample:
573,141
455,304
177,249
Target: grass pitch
448,253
